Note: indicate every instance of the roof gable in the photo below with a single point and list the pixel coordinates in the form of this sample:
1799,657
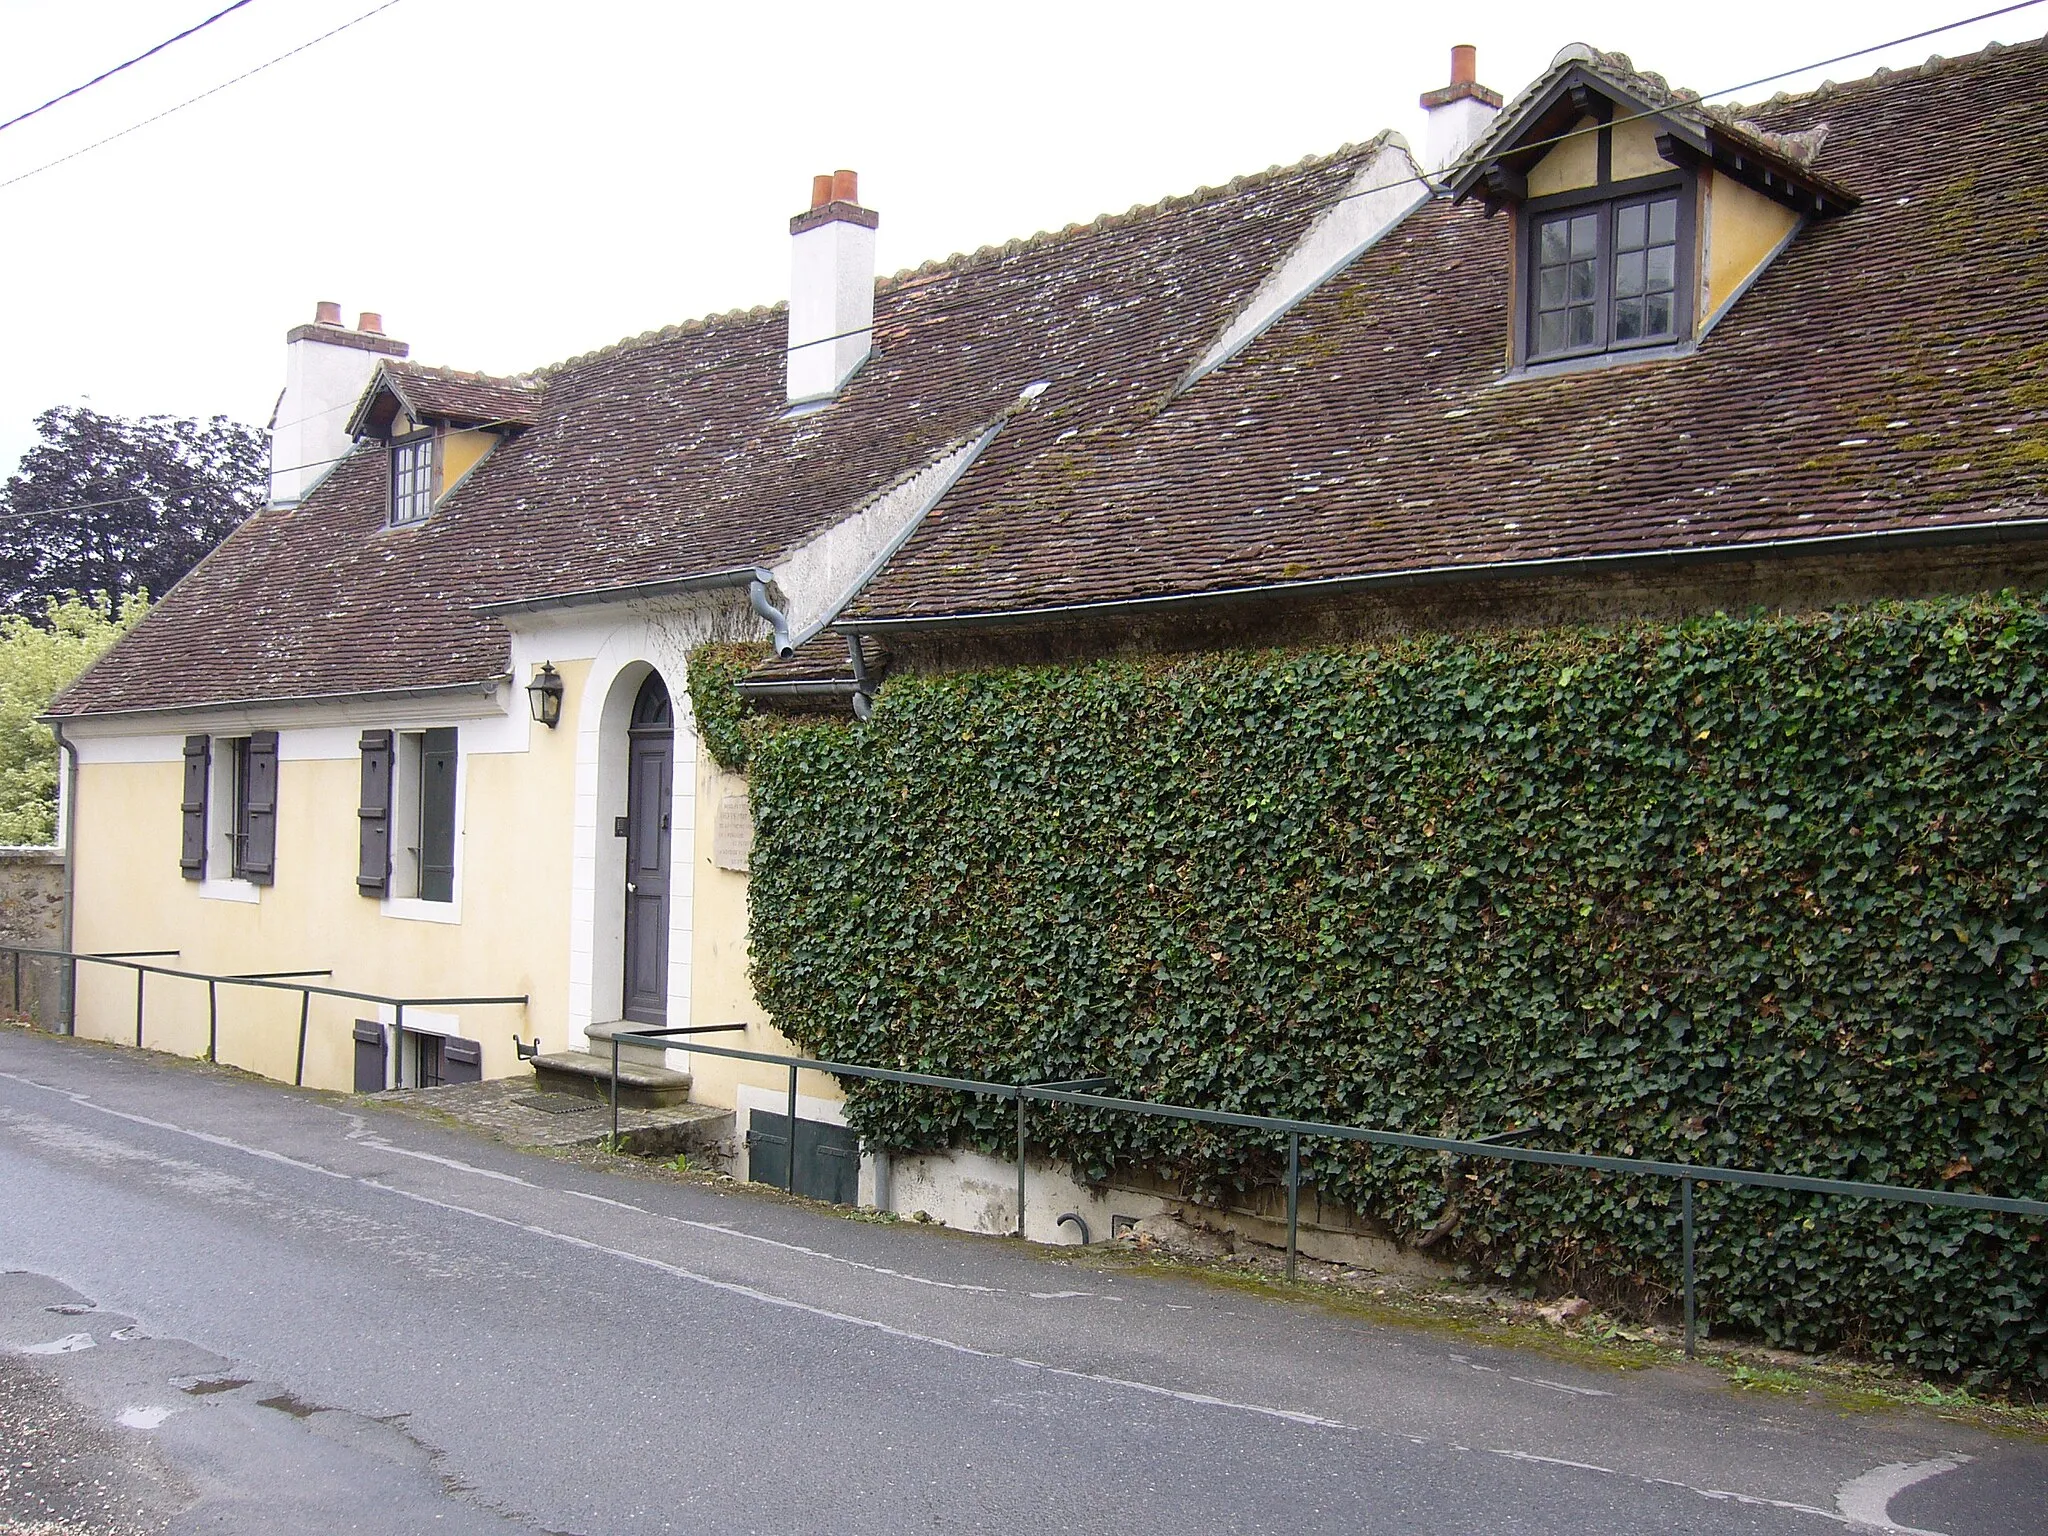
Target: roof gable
1582,83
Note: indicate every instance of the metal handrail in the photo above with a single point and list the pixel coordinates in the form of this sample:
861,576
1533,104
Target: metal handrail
270,981
1687,1174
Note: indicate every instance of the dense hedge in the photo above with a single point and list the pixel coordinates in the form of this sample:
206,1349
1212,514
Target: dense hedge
1762,891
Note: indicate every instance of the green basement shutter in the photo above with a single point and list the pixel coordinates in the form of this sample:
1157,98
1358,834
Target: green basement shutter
192,850
373,861
437,815
259,805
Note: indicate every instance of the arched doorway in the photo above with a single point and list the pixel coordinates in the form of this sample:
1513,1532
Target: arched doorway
650,783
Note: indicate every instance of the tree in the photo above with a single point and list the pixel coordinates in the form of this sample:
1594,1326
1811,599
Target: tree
122,506
36,661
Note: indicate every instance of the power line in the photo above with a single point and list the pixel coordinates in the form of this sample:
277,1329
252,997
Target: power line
195,100
129,64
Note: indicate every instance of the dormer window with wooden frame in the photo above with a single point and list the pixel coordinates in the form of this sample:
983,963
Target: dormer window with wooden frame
412,478
1608,273
1639,216
436,427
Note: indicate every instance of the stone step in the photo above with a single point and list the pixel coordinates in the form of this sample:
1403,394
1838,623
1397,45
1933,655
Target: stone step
600,1046
640,1086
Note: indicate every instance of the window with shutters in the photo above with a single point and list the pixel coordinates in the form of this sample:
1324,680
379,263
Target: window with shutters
407,815
253,759
229,812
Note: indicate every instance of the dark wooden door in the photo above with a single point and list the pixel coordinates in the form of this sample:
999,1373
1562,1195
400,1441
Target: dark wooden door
650,783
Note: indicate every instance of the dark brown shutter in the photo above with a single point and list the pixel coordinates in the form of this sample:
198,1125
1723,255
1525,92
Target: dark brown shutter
192,851
373,862
462,1061
437,815
259,799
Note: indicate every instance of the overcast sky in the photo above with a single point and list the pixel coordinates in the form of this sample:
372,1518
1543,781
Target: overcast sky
511,183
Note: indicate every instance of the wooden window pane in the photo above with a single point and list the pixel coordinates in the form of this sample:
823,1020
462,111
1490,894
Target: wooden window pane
1550,332
1663,276
1630,226
1582,327
1664,221
1585,235
1555,241
1628,274
1583,281
1661,320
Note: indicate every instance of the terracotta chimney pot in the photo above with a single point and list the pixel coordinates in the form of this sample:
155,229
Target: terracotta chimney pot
327,312
845,187
1464,64
821,191
369,320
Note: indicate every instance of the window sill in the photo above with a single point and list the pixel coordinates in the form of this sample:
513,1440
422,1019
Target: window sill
411,909
230,890
1592,362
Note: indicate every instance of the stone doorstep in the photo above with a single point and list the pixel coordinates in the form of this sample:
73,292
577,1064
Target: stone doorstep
494,1106
600,1036
640,1085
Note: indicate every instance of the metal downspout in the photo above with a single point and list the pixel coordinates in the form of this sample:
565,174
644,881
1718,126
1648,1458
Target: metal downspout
757,596
863,696
67,831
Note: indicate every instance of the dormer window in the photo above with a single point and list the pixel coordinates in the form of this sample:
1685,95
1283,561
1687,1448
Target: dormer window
412,478
1609,274
436,428
1640,215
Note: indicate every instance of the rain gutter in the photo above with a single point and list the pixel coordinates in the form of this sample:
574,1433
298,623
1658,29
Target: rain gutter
2001,531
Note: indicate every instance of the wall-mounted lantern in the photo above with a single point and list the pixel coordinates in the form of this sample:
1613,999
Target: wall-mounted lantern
544,694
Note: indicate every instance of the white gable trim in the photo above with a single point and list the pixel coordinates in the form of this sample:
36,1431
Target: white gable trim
1385,190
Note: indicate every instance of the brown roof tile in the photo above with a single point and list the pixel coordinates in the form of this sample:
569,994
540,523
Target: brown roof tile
473,399
1889,371
670,455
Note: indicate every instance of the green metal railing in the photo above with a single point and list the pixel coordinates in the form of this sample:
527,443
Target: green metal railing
1080,1093
273,981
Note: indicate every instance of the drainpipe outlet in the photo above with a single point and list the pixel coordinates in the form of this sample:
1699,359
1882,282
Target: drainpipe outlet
757,595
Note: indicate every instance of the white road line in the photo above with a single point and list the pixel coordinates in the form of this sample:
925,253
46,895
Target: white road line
1866,1500
1857,1499
1556,1386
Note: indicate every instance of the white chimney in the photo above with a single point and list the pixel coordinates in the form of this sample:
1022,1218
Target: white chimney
1459,113
326,367
831,288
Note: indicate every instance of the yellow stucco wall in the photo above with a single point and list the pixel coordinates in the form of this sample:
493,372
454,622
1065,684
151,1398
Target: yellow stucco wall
1634,150
460,452
514,887
721,992
1743,227
1573,164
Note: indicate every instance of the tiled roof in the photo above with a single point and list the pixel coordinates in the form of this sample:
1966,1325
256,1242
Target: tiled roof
469,398
1889,371
670,455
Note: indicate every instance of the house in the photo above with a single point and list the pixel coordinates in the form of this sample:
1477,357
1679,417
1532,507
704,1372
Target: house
1602,351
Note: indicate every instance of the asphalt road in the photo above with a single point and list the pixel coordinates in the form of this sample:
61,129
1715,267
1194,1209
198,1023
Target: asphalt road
265,1310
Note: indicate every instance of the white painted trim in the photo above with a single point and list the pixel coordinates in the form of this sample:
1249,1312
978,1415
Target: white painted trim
820,577
230,890
408,706
1385,190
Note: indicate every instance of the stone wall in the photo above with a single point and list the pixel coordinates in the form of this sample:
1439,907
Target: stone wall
32,914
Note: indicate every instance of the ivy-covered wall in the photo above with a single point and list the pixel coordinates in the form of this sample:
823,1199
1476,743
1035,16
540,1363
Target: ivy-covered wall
1766,891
